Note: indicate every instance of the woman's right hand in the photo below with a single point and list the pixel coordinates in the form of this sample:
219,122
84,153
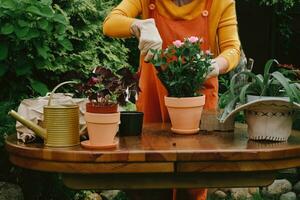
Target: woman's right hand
148,35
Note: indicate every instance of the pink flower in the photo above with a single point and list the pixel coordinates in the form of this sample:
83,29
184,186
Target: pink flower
193,39
178,43
208,52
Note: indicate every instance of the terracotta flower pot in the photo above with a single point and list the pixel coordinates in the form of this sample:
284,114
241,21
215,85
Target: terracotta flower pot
102,128
185,113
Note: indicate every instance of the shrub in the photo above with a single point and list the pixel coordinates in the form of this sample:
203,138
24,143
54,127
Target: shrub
43,43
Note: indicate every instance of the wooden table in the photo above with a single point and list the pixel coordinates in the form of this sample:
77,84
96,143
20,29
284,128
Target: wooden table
161,159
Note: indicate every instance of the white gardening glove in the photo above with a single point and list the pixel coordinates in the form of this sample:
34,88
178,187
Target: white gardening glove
214,70
148,35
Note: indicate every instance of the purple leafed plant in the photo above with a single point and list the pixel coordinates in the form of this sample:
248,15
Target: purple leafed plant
105,87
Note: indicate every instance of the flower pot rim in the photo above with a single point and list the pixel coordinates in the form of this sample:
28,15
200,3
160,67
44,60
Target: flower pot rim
131,113
277,101
97,107
251,97
200,96
105,118
98,104
185,102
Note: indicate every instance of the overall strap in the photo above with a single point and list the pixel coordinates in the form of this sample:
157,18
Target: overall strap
207,8
151,8
208,5
205,13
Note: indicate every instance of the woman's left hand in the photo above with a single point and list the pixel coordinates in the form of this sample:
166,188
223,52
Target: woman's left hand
219,66
214,70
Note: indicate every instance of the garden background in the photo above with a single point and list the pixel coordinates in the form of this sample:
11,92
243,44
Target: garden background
45,42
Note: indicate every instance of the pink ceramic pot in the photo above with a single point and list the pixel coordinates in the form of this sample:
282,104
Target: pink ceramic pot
102,128
185,113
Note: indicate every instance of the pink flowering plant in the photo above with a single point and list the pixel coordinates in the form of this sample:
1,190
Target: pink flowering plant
183,67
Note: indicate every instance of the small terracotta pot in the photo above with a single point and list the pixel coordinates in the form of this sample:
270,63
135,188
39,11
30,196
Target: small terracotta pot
102,128
99,108
185,113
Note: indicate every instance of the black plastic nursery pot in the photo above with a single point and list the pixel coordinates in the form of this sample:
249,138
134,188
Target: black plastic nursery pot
131,123
296,124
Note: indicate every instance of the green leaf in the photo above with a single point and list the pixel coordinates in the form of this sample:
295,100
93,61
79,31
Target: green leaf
34,10
43,24
3,51
47,11
284,82
60,28
49,27
39,87
21,32
66,44
46,2
33,34
296,90
3,69
244,92
23,70
61,19
267,68
42,50
22,23
229,108
7,29
8,4
44,11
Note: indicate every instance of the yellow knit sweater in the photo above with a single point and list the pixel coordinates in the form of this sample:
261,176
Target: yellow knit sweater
223,31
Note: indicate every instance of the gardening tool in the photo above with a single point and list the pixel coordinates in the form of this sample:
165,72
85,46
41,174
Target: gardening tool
61,123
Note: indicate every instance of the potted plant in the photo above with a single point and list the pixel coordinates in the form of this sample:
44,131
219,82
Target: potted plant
210,122
106,90
182,68
293,73
269,102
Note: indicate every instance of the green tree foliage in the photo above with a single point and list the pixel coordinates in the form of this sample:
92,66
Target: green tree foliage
45,42
283,4
42,43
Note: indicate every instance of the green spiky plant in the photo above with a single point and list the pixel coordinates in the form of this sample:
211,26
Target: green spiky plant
270,84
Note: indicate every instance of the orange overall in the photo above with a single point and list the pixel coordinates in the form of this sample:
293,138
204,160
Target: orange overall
151,99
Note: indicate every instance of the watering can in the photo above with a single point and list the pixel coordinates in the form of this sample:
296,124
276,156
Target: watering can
61,123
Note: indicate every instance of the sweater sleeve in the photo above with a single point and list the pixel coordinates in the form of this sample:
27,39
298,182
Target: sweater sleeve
229,43
118,22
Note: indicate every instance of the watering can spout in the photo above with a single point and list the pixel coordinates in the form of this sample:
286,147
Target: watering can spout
32,126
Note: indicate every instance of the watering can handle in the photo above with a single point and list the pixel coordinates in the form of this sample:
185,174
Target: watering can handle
59,85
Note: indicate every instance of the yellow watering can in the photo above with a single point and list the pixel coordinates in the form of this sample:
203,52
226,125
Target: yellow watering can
61,123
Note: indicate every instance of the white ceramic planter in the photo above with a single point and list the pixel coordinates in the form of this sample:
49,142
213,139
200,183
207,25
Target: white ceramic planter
268,118
272,123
